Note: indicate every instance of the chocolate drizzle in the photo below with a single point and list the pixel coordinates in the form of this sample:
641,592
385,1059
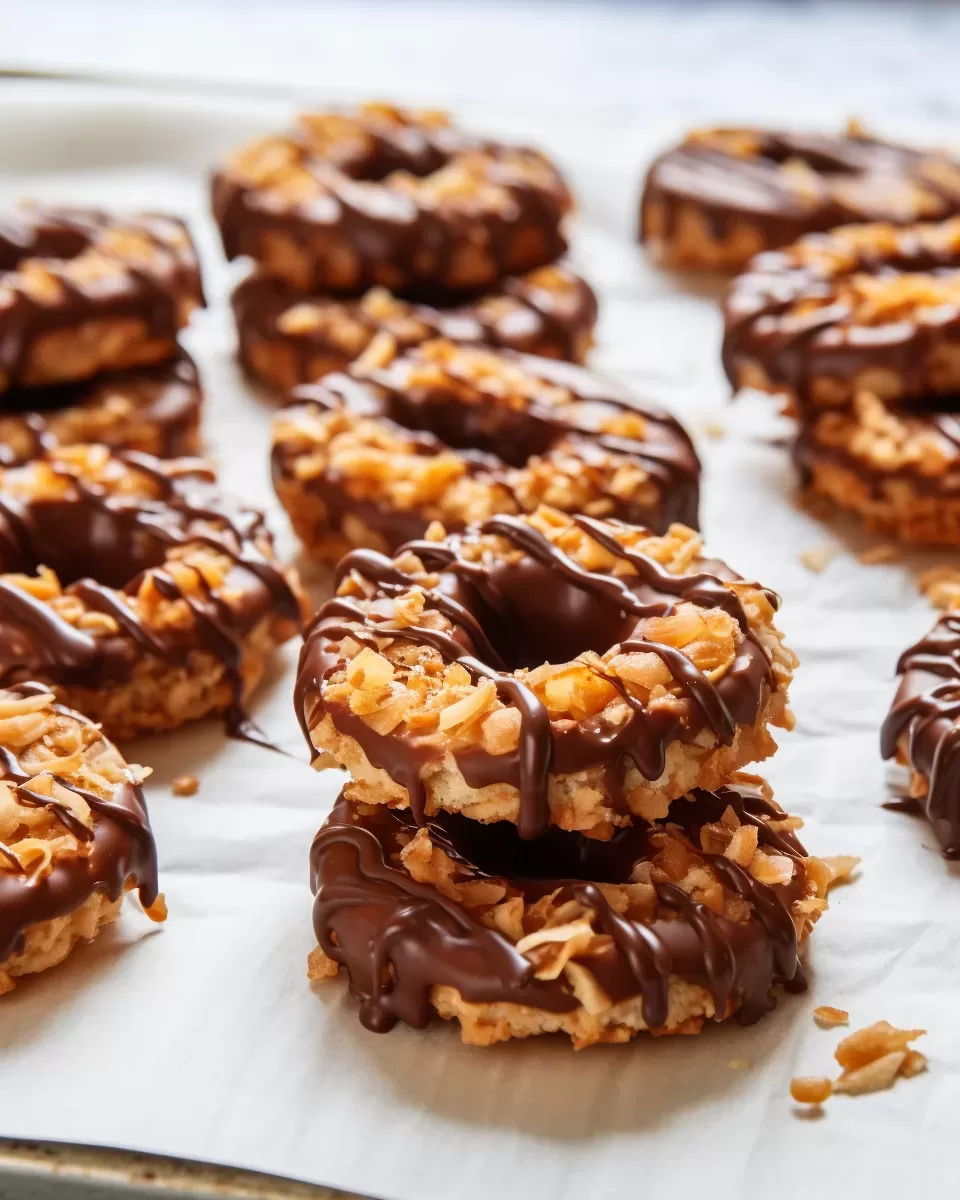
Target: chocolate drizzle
119,846
399,938
158,293
494,439
357,214
501,623
123,536
923,723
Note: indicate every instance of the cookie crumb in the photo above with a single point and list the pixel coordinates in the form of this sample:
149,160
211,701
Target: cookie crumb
826,1016
810,1089
185,785
913,1064
877,554
873,1076
841,866
715,430
739,1064
941,586
818,558
873,1057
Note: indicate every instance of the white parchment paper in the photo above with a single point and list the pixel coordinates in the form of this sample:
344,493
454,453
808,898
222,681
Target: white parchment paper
203,1039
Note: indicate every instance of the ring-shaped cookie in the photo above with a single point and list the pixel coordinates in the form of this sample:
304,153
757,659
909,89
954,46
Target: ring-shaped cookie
456,434
698,916
74,833
389,198
723,195
285,338
896,468
921,729
870,308
83,292
542,669
136,589
152,409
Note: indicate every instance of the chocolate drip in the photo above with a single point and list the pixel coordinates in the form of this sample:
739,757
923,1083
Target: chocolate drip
119,845
399,938
393,582
923,722
689,675
63,814
707,591
126,536
590,611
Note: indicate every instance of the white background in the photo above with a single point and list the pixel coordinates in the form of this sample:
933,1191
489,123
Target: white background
203,1039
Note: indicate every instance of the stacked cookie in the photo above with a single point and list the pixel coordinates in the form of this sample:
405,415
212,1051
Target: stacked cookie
547,829
848,305
543,692
134,596
724,195
452,411
142,595
90,308
860,329
353,218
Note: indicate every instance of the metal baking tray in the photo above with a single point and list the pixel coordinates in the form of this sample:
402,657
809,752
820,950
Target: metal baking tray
49,1171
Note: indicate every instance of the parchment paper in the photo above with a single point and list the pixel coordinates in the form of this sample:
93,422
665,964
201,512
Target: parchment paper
203,1039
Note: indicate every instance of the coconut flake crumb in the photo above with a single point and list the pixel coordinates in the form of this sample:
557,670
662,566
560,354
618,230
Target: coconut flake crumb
826,1016
818,558
871,1058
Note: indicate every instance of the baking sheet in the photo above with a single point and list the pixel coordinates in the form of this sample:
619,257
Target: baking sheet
203,1040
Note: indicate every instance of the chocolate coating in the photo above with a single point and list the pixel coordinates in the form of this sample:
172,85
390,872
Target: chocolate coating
496,437
40,231
119,846
545,607
791,313
118,537
143,268
286,338
399,938
328,209
923,723
787,184
163,405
